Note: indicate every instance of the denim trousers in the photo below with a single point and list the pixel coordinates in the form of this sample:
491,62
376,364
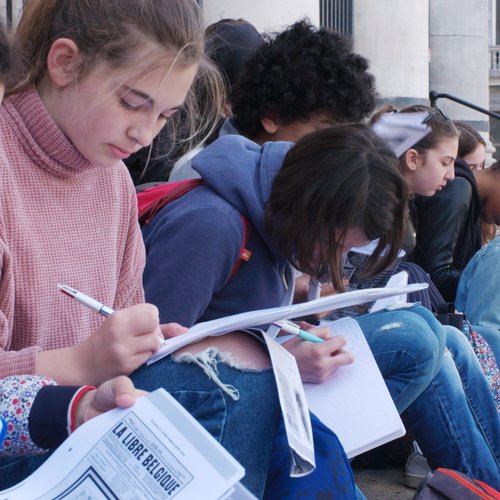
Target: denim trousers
476,389
243,419
448,407
408,345
245,427
478,293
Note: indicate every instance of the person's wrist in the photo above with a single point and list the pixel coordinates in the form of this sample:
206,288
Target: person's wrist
84,363
78,407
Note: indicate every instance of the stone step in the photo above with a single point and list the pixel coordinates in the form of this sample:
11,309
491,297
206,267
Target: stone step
383,484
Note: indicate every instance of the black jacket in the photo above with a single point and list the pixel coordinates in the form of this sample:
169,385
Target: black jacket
448,227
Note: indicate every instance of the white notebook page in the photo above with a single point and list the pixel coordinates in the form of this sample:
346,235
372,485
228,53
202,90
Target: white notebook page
355,402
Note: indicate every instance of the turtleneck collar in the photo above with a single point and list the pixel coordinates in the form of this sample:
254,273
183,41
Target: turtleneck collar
42,136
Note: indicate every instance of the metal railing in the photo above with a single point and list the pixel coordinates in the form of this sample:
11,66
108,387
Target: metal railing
495,59
434,96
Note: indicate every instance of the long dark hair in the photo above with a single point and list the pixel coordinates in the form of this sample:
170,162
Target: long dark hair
340,178
469,139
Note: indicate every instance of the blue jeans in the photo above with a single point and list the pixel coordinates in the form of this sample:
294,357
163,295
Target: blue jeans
454,421
478,293
245,427
476,389
407,344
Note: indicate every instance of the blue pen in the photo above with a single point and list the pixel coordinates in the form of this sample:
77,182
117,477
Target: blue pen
295,330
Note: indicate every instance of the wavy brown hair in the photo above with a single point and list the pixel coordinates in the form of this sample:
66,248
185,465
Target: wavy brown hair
340,178
469,139
114,31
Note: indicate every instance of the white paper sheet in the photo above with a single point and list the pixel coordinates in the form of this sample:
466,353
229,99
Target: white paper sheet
355,402
266,316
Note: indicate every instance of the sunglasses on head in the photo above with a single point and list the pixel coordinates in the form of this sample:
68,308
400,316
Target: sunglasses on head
437,112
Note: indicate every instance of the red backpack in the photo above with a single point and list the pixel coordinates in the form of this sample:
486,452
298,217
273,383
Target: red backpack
448,484
152,199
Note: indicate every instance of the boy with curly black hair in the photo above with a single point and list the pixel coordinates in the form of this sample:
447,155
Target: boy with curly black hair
300,80
304,71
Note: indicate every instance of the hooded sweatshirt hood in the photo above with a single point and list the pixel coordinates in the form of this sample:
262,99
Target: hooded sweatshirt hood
241,172
199,282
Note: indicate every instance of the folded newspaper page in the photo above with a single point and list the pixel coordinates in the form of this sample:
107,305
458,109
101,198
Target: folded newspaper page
154,449
294,408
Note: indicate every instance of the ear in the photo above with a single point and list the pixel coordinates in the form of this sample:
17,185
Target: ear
63,61
412,159
270,124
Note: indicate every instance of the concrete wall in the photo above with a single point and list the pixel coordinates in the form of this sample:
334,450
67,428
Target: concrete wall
394,36
459,55
266,15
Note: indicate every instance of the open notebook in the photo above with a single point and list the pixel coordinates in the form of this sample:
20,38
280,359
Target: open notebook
266,316
355,402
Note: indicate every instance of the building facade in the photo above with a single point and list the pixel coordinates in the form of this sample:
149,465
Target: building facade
414,47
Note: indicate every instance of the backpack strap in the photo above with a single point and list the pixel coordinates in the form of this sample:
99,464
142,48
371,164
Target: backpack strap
151,200
155,197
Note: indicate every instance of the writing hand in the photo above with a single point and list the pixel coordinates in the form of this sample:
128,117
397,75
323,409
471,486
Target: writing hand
317,362
123,342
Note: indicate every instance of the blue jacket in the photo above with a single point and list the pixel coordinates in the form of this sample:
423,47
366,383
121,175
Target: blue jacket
193,243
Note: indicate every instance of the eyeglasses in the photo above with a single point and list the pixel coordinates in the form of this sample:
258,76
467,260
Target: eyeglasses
436,111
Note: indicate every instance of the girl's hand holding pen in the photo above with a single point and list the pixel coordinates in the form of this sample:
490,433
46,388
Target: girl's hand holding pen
317,361
124,341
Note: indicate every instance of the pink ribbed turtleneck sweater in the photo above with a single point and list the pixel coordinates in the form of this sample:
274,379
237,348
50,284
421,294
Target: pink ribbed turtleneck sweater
62,220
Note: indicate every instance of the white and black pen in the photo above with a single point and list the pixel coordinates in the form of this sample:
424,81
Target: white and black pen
85,300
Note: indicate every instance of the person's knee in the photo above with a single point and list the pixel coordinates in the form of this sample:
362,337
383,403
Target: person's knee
455,340
412,325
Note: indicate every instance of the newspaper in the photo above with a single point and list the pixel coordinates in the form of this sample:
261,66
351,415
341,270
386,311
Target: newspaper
294,408
154,449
